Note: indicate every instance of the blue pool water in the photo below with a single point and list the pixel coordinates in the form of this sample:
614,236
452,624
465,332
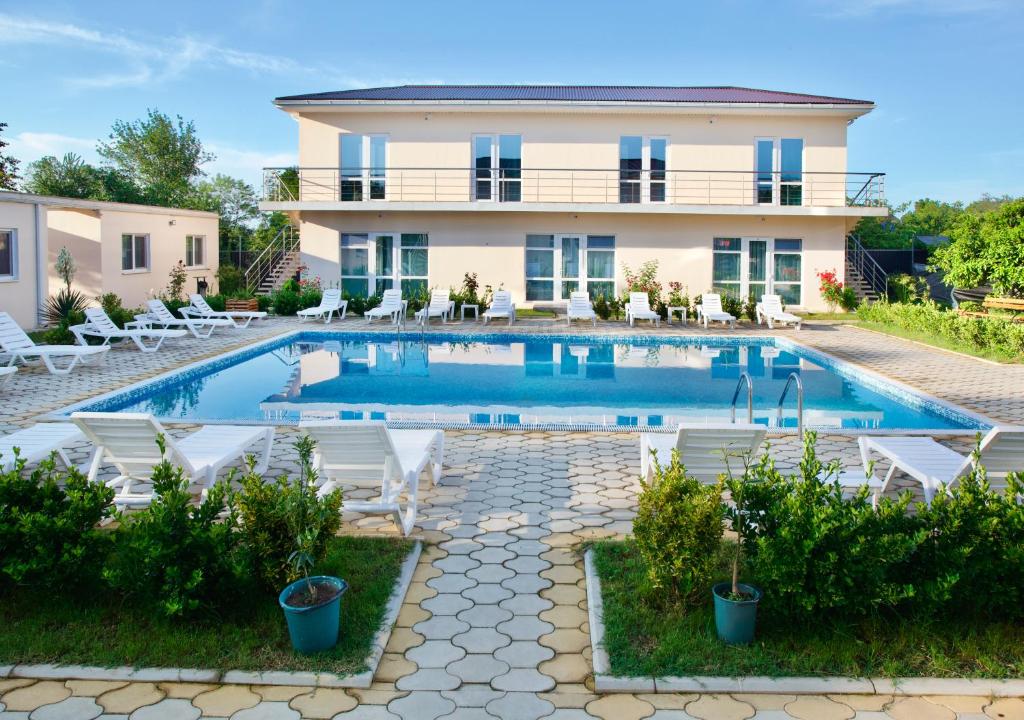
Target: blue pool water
529,380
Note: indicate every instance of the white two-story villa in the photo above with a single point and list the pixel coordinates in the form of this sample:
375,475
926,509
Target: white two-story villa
547,189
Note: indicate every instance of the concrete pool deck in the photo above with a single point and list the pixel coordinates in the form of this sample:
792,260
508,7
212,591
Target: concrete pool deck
494,624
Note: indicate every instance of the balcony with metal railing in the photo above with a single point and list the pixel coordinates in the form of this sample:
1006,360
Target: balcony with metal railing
622,190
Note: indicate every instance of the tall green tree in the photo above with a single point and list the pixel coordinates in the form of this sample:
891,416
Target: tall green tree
161,156
8,166
986,249
70,176
932,217
236,202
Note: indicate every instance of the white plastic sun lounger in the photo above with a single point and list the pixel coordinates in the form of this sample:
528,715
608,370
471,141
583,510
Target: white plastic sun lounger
711,311
6,373
501,307
330,303
580,308
16,343
201,308
98,324
391,306
706,450
128,442
440,306
357,452
933,464
37,442
770,310
160,316
639,308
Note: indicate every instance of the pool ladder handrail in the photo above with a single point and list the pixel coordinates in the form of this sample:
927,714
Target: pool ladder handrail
744,377
793,378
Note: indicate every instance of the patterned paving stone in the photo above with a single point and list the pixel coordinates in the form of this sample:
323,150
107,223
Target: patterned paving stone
566,641
481,640
523,680
529,564
421,706
268,711
225,700
493,555
719,707
490,573
435,654
524,654
428,679
622,707
92,688
72,708
1006,709
451,583
489,593
446,604
441,627
168,709
520,706
526,584
456,564
482,668
564,616
526,604
817,707
523,627
131,697
402,639
473,695
29,697
367,712
571,714
323,703
567,668
485,615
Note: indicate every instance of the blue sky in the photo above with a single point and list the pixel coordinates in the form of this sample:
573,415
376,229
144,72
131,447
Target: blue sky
944,73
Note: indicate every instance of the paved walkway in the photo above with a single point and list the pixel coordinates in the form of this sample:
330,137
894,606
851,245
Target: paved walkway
494,624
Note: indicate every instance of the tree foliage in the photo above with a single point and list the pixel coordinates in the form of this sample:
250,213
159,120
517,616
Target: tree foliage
8,166
162,157
987,249
70,176
236,202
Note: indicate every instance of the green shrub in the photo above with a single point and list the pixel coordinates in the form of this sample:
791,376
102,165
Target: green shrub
266,510
175,556
980,334
286,302
291,285
48,520
678,530
750,309
111,304
816,553
65,306
61,334
732,305
310,298
602,308
229,279
907,289
217,302
848,299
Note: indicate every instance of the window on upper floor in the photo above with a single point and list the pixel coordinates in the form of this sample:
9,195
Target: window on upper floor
557,265
8,255
363,167
779,171
642,167
134,253
497,159
195,251
374,262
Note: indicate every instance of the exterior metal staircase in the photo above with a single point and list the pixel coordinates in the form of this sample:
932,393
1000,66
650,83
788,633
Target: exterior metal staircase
278,262
863,273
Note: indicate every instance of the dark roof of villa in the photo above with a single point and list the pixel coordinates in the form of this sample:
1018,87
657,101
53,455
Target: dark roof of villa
575,93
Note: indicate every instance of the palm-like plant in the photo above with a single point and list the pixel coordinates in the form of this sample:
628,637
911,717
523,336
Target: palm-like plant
61,308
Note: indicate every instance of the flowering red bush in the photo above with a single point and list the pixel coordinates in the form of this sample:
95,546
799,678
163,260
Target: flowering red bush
833,292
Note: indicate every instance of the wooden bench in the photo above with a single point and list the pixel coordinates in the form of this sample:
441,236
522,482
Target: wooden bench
1004,303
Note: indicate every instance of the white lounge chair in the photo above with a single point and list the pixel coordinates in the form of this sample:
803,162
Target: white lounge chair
770,310
392,306
706,450
158,315
6,373
440,306
933,464
201,308
37,442
98,324
357,452
501,307
128,442
16,343
639,308
580,308
330,303
711,311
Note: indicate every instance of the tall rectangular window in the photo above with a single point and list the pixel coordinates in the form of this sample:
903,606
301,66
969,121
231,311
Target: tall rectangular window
787,270
363,174
374,262
195,251
557,265
658,163
726,266
642,168
540,267
8,257
791,168
600,265
631,166
498,158
765,171
134,253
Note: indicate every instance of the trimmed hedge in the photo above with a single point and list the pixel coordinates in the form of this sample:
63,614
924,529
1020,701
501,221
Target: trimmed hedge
974,333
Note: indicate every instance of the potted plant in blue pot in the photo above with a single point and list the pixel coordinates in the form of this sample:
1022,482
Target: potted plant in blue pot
736,602
311,604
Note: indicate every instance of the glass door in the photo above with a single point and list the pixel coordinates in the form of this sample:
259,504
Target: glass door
570,245
757,267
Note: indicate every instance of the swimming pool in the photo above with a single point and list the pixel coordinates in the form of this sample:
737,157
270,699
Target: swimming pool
519,380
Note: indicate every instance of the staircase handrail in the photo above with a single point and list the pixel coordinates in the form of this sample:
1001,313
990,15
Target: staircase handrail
866,266
286,241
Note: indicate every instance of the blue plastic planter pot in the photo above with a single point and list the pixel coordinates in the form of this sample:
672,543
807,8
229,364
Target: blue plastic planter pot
314,628
734,620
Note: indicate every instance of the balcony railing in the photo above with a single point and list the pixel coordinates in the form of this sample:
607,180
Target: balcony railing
626,187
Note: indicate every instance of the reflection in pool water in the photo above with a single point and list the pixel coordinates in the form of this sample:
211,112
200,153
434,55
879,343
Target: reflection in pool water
576,381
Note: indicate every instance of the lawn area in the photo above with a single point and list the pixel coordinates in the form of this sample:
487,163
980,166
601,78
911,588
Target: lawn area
645,638
939,341
97,631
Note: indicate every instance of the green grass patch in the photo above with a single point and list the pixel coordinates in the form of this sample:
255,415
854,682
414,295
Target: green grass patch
646,637
942,342
531,313
91,629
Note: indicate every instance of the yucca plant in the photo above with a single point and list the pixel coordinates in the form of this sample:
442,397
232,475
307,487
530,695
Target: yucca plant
62,307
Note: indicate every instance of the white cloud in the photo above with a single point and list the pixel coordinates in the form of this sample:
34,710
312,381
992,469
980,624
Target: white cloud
144,61
30,146
246,164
